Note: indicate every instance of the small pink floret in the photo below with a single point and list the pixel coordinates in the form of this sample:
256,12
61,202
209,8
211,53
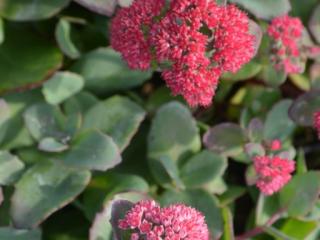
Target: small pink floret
286,33
176,222
273,173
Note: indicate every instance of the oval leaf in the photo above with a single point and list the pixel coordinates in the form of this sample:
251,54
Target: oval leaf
27,10
202,168
91,150
226,138
278,125
304,107
118,117
104,7
63,37
10,168
45,188
9,233
61,86
265,9
117,77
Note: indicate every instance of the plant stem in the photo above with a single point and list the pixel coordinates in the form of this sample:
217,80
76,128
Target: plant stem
260,229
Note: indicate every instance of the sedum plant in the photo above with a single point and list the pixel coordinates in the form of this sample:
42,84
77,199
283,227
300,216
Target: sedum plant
159,119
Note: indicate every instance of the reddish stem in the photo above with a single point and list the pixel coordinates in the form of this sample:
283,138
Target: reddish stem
260,229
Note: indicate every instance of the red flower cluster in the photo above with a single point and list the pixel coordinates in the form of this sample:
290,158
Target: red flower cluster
316,122
273,173
192,41
286,33
276,145
148,221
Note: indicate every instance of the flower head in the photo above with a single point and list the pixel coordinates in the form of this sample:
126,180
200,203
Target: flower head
148,221
316,122
273,173
129,32
233,44
192,41
286,34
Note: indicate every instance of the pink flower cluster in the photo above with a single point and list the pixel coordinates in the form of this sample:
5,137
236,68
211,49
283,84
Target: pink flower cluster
273,173
148,221
286,33
316,122
192,41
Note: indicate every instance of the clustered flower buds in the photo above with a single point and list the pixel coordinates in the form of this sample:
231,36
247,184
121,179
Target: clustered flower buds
192,41
286,34
273,173
316,122
147,221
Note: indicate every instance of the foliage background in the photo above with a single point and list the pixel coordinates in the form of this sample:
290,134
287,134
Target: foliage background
78,129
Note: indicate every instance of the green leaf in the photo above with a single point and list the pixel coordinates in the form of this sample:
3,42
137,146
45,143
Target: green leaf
301,193
273,77
10,168
91,150
101,228
233,193
303,11
301,162
226,138
278,125
255,130
44,120
16,133
265,9
1,196
63,37
303,108
228,224
203,202
173,135
61,86
249,70
266,208
117,77
254,149
104,187
314,23
51,145
276,233
202,168
29,10
118,211
298,229
9,233
80,103
5,115
117,116
301,81
104,7
2,36
21,66
45,188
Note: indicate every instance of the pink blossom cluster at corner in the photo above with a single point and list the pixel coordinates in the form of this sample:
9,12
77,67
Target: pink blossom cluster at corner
316,122
286,33
198,39
273,173
147,221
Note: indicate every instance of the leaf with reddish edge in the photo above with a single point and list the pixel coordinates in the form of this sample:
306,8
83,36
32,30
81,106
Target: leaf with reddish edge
101,228
18,59
304,107
314,23
45,188
1,196
226,138
103,7
118,211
